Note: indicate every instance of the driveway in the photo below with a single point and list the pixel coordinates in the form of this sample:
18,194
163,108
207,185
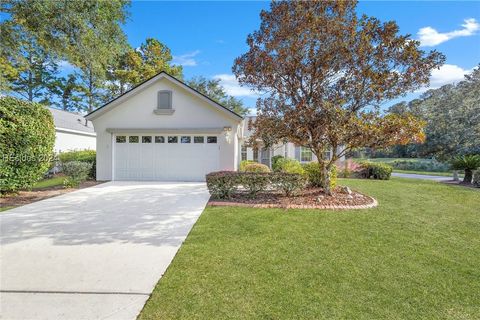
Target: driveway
421,176
96,253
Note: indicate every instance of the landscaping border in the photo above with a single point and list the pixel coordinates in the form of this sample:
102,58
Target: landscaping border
373,204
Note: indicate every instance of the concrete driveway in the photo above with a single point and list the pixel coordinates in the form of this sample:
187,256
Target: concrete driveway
95,253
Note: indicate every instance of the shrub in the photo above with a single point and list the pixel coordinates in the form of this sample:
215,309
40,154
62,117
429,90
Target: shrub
420,165
468,164
312,171
245,163
76,172
275,160
375,170
289,183
222,184
26,146
255,182
289,166
257,167
88,156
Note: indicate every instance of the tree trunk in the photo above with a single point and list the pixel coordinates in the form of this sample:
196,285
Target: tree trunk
325,171
468,176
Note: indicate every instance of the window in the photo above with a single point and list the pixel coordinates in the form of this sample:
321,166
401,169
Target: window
212,139
146,139
305,154
185,139
164,99
198,139
244,153
121,139
159,139
172,139
133,139
255,154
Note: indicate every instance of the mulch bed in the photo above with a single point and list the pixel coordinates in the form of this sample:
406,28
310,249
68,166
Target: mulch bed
312,198
25,197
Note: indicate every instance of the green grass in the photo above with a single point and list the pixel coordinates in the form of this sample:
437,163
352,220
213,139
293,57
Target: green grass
416,256
47,183
6,208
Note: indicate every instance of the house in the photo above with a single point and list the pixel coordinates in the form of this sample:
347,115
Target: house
163,129
72,131
264,155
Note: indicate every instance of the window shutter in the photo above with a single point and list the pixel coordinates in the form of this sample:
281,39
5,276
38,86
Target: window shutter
164,99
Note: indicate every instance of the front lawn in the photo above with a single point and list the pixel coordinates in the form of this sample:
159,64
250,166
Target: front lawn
49,182
415,256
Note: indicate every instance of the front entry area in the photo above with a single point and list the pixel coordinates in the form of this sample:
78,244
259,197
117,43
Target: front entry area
169,157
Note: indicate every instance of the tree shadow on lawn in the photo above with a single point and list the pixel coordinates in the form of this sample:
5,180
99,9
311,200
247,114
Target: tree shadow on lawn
155,214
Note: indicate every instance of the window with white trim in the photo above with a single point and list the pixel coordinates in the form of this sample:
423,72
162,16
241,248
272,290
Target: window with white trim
305,154
164,99
121,139
244,153
198,139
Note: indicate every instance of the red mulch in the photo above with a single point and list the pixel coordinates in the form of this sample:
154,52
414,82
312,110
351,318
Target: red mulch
308,198
25,197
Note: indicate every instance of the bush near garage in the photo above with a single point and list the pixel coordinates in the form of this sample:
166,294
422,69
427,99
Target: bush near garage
245,163
27,136
289,166
312,171
87,156
76,172
375,170
222,184
257,167
275,160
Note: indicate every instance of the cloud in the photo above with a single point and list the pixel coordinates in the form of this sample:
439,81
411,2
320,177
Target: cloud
65,66
430,37
233,88
187,59
448,73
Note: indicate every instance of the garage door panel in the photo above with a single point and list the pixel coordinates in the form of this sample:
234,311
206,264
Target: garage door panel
164,161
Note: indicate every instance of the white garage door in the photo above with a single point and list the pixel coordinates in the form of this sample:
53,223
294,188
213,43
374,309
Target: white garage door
165,157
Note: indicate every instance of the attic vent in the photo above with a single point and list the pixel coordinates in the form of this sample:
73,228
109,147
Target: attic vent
164,99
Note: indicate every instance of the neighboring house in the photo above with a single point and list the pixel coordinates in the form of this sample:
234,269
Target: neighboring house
165,130
72,131
264,155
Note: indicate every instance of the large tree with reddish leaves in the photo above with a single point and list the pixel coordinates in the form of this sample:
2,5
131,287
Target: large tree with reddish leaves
325,71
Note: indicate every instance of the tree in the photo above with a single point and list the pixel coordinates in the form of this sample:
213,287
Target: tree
67,90
214,90
452,114
137,65
86,33
325,72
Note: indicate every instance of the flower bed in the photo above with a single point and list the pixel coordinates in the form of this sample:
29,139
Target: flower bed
279,191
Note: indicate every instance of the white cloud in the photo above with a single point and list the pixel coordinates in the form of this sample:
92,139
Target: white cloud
448,73
65,66
233,88
430,37
187,59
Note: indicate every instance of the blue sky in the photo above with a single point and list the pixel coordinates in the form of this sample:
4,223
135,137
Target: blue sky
205,37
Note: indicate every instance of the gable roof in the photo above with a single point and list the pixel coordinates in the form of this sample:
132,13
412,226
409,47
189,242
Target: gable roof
162,75
71,121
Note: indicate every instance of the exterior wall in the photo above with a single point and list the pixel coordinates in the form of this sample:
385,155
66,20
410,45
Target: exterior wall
138,112
67,141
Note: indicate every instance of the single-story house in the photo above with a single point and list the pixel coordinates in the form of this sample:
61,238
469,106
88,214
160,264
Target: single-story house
163,129
264,155
72,131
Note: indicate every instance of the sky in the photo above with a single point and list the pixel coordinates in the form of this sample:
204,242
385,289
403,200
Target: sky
206,37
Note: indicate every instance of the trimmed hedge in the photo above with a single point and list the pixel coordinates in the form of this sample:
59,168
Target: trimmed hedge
26,146
223,184
312,171
257,167
88,156
244,163
375,170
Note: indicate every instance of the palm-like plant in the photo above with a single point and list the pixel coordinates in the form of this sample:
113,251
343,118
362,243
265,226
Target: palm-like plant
468,164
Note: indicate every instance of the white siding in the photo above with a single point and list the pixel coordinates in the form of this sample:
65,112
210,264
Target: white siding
65,141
